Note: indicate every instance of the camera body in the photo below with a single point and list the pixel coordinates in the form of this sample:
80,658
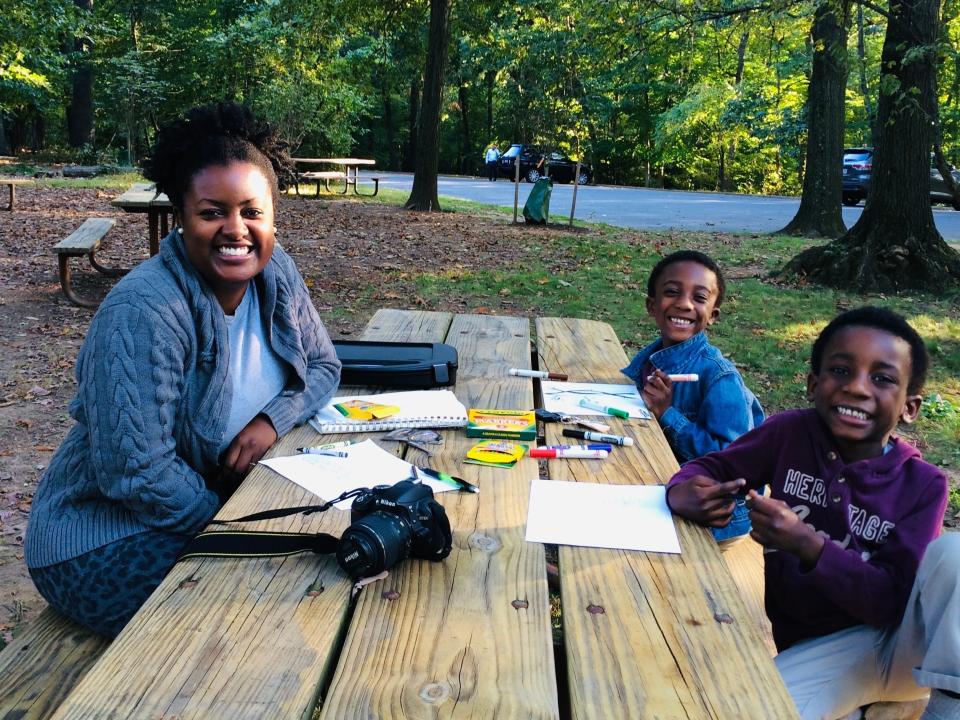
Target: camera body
391,523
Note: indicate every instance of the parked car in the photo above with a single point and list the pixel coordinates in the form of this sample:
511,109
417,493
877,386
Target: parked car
533,163
858,166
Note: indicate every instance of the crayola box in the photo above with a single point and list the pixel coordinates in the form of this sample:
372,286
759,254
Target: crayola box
506,424
496,453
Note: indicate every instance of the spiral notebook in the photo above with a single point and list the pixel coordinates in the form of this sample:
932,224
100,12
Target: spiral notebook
418,409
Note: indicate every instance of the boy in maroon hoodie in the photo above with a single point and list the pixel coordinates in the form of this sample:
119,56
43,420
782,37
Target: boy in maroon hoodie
863,598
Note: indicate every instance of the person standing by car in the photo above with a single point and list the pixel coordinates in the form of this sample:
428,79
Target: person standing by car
492,158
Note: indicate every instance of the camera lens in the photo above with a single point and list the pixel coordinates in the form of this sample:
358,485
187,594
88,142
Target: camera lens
374,543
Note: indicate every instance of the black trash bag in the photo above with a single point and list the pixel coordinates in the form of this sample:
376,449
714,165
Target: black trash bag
537,207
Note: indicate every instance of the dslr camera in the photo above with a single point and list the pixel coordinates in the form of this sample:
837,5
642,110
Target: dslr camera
390,523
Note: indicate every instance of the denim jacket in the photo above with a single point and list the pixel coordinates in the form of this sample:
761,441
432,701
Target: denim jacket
706,415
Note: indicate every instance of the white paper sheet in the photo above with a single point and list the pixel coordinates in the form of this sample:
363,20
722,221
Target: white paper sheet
366,465
625,517
564,398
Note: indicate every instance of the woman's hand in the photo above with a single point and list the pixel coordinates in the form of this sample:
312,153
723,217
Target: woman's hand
704,500
657,393
247,448
775,525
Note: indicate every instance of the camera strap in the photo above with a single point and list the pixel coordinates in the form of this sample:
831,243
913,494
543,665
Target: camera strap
258,543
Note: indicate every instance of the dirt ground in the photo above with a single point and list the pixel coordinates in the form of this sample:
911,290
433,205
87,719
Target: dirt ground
344,249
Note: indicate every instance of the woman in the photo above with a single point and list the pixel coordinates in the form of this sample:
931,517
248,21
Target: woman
193,365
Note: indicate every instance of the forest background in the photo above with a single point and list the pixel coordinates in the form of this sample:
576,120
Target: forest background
671,94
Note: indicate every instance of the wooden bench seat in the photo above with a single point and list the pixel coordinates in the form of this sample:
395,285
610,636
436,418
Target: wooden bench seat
43,664
85,240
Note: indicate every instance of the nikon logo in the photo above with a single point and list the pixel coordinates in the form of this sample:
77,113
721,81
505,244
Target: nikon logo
352,556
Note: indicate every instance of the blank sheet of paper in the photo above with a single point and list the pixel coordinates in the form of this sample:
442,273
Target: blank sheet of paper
626,517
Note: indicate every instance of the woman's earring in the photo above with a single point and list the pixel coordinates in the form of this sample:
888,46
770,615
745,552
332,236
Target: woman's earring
180,229
274,229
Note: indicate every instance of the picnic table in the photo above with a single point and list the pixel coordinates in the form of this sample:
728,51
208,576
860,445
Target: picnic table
144,198
11,183
645,634
348,172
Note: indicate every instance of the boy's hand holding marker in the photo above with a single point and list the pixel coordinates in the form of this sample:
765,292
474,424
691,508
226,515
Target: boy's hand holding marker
657,392
775,525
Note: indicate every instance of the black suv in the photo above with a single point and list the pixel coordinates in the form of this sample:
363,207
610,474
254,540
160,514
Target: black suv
858,165
533,162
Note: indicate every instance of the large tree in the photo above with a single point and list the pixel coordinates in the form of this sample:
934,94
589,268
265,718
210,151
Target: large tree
819,212
80,109
895,244
423,195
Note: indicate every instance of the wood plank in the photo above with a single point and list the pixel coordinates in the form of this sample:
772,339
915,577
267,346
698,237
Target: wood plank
239,638
85,238
744,559
42,665
471,636
647,634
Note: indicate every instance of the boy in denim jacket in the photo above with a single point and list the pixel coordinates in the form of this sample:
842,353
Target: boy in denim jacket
684,294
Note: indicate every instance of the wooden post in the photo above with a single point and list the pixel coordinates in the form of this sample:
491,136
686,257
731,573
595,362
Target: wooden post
516,187
546,215
576,182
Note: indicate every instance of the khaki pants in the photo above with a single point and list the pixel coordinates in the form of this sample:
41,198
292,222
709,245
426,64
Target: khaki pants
830,676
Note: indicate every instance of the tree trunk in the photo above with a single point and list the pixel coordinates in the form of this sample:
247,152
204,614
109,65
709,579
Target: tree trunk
413,125
423,196
393,160
490,76
467,163
895,244
80,109
4,146
819,213
737,79
862,58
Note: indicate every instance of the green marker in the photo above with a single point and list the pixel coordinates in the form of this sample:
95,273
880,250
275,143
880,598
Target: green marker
458,483
616,412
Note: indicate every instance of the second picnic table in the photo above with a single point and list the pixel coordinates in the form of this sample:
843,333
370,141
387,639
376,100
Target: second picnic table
349,172
144,198
645,634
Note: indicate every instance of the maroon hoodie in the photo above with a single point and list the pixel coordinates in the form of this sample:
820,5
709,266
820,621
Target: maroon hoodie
880,513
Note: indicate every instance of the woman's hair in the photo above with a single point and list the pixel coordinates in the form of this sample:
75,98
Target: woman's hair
215,134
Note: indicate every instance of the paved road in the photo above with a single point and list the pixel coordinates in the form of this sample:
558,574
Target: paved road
648,209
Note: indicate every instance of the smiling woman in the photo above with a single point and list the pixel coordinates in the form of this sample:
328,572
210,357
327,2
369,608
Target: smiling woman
193,366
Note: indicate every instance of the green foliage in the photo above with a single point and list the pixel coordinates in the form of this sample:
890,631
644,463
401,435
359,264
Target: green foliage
646,91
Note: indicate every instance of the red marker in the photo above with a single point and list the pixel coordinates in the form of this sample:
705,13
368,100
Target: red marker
577,453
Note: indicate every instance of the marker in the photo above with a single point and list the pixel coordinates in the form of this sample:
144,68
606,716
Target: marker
327,446
684,377
329,453
616,412
458,483
591,446
582,454
598,437
541,374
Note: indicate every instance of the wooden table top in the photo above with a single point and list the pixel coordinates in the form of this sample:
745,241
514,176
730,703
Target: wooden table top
336,161
645,634
141,197
16,181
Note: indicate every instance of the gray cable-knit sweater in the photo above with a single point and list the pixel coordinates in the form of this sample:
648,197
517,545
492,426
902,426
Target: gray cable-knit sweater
153,399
